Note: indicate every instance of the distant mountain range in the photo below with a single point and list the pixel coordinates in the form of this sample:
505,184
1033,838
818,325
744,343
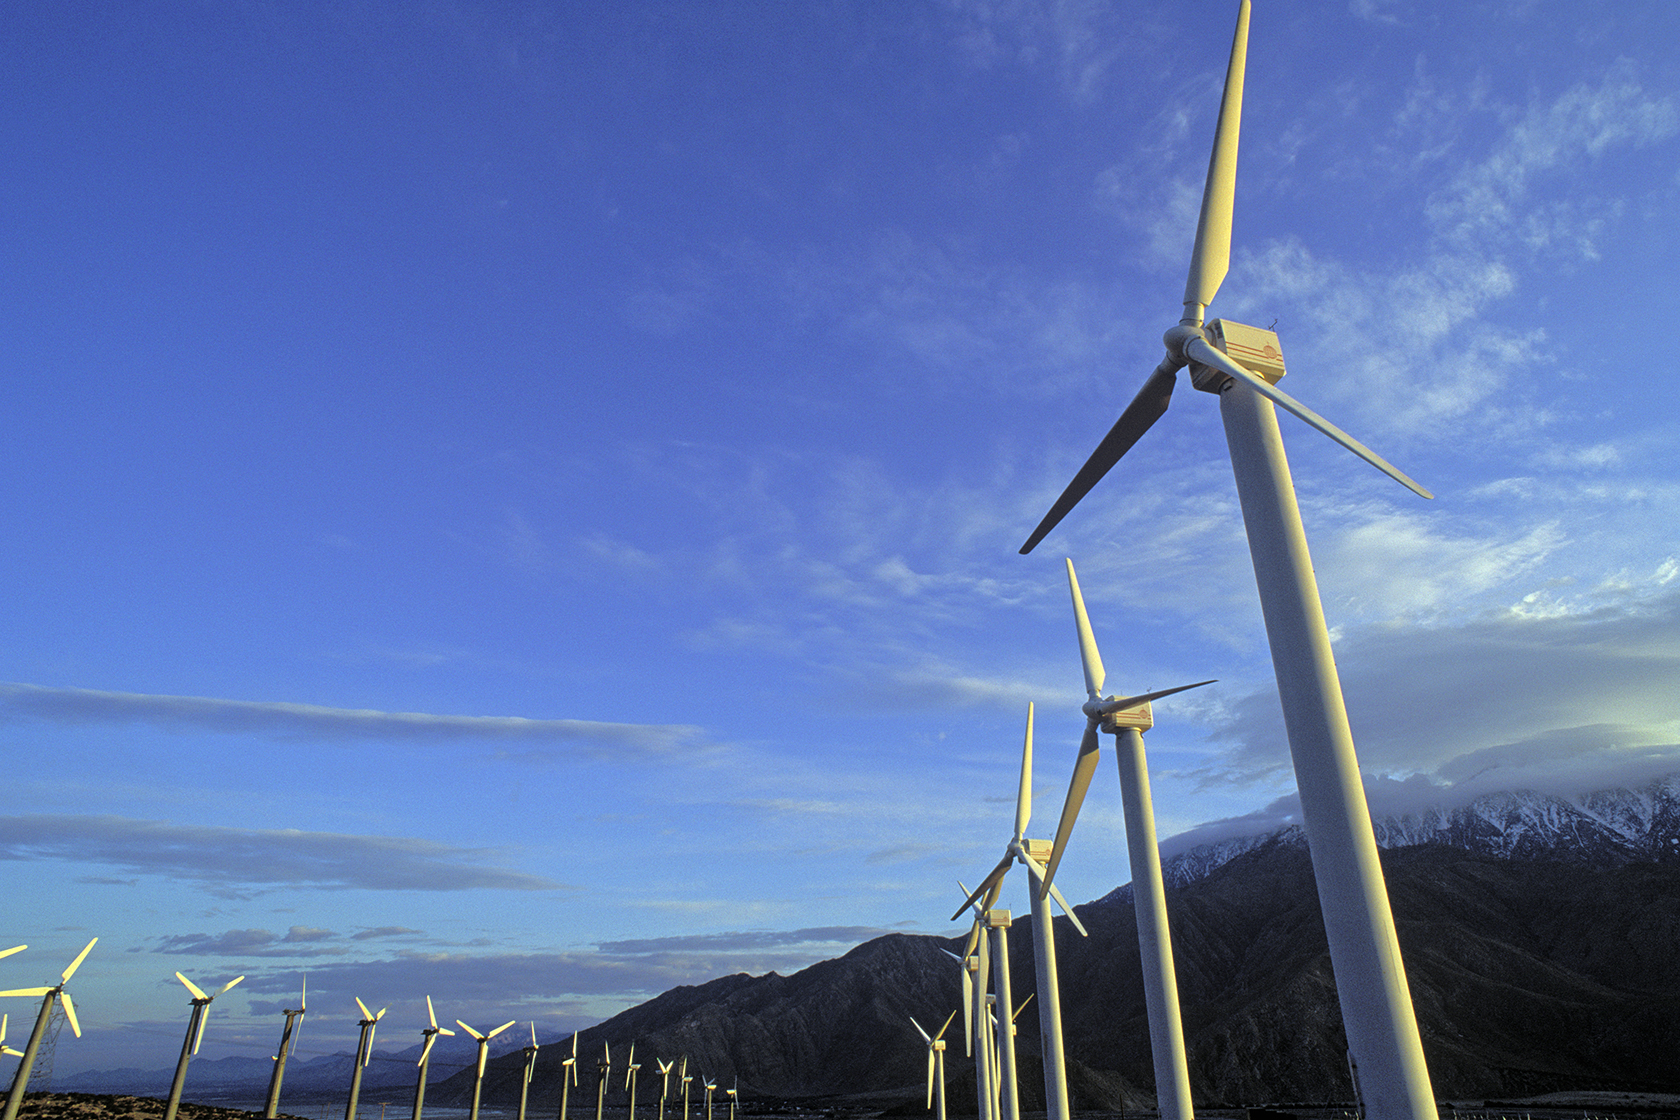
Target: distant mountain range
1540,937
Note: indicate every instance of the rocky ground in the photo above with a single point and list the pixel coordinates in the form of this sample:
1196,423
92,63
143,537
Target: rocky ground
99,1106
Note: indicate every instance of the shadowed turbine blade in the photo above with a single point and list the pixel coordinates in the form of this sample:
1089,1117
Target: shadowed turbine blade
64,977
1146,408
1083,768
1089,657
468,1029
1210,355
1212,255
197,992
70,1013
426,1050
1040,874
25,993
1122,703
925,1036
1023,796
991,880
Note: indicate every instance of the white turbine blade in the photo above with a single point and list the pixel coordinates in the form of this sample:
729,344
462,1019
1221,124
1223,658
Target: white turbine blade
14,949
927,1038
203,1018
366,1014
24,993
381,1014
1023,1006
430,1013
64,977
197,992
1209,355
5,1018
446,1032
426,1050
501,1028
1084,767
70,1013
1023,796
469,1030
1095,677
367,1055
303,1000
968,1012
1212,255
483,1055
533,1032
231,983
1123,703
10,1053
1040,874
931,1060
994,877
945,1026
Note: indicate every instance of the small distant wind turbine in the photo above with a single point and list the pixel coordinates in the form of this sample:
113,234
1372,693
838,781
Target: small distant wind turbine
430,1034
530,1064
271,1108
20,1080
364,1054
664,1085
603,1068
4,1049
997,923
734,1092
630,1079
1127,718
711,1084
1242,364
1034,853
568,1077
935,1062
195,1035
685,1077
483,1055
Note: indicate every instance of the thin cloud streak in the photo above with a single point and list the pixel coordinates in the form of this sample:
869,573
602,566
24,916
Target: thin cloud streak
240,861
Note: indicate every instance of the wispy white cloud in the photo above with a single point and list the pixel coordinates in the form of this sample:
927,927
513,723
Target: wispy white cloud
239,862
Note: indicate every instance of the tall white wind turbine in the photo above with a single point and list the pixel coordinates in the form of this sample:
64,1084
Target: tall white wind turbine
271,1108
364,1054
1033,853
20,1080
734,1092
1241,364
685,1077
430,1034
1126,718
568,1077
195,1035
1005,1084
935,1061
530,1064
603,1068
664,1084
974,962
630,1079
483,1055
711,1087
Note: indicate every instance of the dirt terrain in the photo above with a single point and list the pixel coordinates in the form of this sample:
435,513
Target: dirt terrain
100,1106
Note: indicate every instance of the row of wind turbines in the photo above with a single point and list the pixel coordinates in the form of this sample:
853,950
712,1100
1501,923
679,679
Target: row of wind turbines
1241,365
200,1003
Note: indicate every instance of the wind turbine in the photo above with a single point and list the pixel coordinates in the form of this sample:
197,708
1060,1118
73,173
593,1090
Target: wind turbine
630,1079
272,1107
603,1067
685,1077
483,1055
1376,1005
997,922
530,1064
1127,718
711,1084
364,1054
935,1062
734,1092
20,1080
195,1035
568,1077
4,1049
1033,853
430,1035
664,1085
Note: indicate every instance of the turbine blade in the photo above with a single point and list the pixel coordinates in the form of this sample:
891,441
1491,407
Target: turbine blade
64,977
1023,1006
1040,874
235,980
533,1032
197,992
1146,408
1211,257
483,1055
14,949
1089,656
943,1027
927,1038
446,1032
366,1014
992,879
1083,768
24,993
303,1000
367,1055
574,1044
968,1013
1122,703
70,1013
377,1017
1023,796
426,1050
930,1078
1210,355
5,1018
431,1014
469,1030
203,1020
501,1028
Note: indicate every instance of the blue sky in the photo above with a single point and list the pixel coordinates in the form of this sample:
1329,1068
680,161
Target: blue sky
519,502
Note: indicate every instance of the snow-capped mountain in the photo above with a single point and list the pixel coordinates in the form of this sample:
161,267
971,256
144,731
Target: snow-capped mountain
1605,828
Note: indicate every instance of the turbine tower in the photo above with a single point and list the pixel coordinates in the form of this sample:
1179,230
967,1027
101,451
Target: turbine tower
483,1055
630,1079
685,1077
1127,718
981,1036
530,1064
734,1092
364,1054
568,1077
1377,1012
935,1062
195,1035
664,1085
1033,853
293,1018
430,1035
603,1068
20,1080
